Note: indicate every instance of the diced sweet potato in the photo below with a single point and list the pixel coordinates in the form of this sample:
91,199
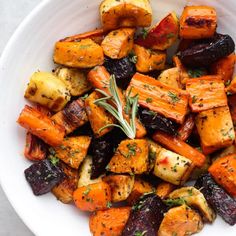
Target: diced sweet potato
64,190
121,186
140,187
83,54
131,157
215,128
171,77
198,22
93,197
180,221
159,97
162,35
186,128
164,189
109,222
41,126
224,67
98,116
206,92
73,150
118,43
223,171
148,60
232,87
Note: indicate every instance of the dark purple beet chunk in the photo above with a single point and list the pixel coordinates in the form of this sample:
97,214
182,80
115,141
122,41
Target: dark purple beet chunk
43,176
218,198
146,216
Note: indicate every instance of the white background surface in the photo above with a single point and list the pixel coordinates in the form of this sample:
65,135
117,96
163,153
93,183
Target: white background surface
12,12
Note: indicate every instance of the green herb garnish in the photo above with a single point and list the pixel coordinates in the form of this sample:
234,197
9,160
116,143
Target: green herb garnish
144,33
173,97
196,73
174,202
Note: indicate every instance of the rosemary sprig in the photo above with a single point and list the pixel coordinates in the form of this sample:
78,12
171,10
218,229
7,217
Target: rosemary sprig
117,110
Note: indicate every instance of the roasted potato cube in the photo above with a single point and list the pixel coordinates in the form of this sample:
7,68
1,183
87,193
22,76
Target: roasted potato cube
198,22
75,80
83,54
47,90
130,157
170,77
64,190
215,128
206,92
180,221
72,116
118,43
127,13
172,167
121,186
85,171
98,116
73,150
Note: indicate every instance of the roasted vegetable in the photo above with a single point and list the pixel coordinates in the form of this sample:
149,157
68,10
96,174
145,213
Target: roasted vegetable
198,22
42,176
206,92
208,51
183,71
109,222
164,189
180,221
47,90
85,171
131,156
170,77
123,70
149,60
93,197
154,150
118,43
72,116
96,35
221,201
224,67
73,150
162,35
74,79
121,186
170,102
223,170
193,197
41,126
98,116
153,121
129,13
232,107
172,167
177,145
215,128
232,87
140,187
186,128
145,217
35,148
83,54
64,190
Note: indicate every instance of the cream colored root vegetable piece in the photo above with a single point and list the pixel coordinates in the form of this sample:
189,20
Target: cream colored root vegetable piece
172,167
154,150
194,198
118,43
83,54
121,186
148,60
171,77
126,13
47,90
85,173
74,79
180,221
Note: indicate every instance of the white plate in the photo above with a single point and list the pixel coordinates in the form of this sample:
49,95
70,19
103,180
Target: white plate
31,49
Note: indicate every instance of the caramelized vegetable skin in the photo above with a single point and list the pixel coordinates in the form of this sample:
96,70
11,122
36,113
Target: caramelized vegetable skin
223,170
198,22
41,126
221,201
146,216
156,96
164,189
186,128
109,222
232,87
